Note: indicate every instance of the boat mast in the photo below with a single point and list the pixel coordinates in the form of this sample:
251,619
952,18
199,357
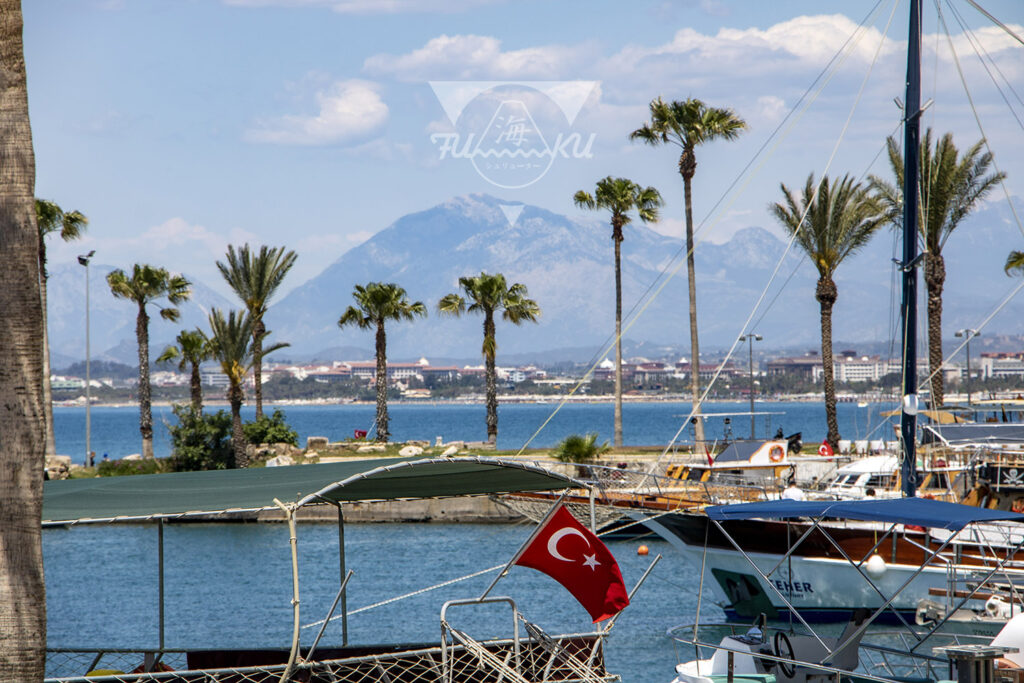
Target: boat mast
911,157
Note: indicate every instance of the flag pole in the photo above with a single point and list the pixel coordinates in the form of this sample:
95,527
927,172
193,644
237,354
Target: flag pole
526,543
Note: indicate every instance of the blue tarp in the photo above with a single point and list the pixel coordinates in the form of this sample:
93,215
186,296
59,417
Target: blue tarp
738,451
919,511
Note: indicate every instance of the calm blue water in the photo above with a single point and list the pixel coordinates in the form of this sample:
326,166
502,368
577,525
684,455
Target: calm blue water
116,430
229,585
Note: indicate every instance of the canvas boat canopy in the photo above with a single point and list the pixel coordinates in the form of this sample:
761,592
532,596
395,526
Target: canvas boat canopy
155,496
967,434
919,511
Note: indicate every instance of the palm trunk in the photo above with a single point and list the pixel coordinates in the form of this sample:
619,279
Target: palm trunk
23,419
617,239
258,330
491,378
826,295
197,389
238,442
51,441
382,385
145,409
687,167
935,278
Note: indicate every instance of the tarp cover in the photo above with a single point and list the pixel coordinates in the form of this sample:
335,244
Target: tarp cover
738,451
919,511
964,434
186,493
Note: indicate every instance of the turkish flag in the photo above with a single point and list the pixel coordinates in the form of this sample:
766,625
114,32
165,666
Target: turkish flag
359,433
825,449
569,553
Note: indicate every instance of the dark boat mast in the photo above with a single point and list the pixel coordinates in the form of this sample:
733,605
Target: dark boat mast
908,309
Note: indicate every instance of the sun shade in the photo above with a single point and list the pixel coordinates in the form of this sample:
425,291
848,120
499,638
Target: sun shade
152,496
919,511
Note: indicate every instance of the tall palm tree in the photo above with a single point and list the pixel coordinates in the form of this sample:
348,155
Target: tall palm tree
192,348
148,285
376,303
1015,263
232,345
255,278
490,294
50,218
830,225
687,125
951,185
23,418
620,196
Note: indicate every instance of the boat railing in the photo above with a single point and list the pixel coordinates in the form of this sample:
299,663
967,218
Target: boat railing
558,661
884,655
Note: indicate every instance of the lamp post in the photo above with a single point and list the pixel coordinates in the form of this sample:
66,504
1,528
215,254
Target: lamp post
969,334
750,339
84,261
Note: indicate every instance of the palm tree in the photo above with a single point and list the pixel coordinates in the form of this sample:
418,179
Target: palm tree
951,185
376,303
50,218
232,345
255,278
688,124
192,349
620,196
1015,263
23,418
147,285
830,224
490,294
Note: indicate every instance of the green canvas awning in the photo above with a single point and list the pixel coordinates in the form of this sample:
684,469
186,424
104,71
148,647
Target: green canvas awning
106,499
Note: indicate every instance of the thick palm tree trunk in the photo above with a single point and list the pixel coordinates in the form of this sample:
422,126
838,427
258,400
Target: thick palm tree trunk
238,442
491,378
22,421
196,386
617,238
145,408
687,167
258,330
382,384
51,440
935,279
826,295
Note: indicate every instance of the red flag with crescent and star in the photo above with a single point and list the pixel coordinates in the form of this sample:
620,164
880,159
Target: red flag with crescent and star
573,556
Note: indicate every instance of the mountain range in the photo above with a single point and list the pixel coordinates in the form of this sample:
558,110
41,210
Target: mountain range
566,263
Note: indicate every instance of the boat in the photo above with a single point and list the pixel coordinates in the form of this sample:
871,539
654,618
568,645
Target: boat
793,652
526,653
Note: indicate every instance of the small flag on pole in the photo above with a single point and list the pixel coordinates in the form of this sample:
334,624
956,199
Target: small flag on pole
825,449
569,553
359,433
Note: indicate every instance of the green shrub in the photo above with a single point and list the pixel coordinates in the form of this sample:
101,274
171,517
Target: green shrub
201,441
580,449
272,429
120,468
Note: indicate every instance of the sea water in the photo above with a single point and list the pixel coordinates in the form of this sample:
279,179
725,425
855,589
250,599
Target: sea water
229,585
115,430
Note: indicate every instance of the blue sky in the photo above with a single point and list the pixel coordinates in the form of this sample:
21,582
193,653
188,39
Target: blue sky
180,126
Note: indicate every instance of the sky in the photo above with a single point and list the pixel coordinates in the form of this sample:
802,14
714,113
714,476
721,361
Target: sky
181,126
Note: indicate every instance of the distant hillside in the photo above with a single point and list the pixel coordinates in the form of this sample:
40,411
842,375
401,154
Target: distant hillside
567,265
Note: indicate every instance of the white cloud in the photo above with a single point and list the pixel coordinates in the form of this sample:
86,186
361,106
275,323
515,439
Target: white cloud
771,108
349,111
462,57
371,6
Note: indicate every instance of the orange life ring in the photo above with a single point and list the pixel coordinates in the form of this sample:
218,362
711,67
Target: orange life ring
775,453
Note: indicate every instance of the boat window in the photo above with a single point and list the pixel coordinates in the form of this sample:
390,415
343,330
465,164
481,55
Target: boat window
695,474
937,481
878,481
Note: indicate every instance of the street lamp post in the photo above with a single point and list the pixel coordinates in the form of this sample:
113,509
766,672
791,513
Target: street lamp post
84,261
969,334
750,339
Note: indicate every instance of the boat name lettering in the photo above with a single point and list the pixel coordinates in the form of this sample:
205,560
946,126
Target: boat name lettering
796,587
